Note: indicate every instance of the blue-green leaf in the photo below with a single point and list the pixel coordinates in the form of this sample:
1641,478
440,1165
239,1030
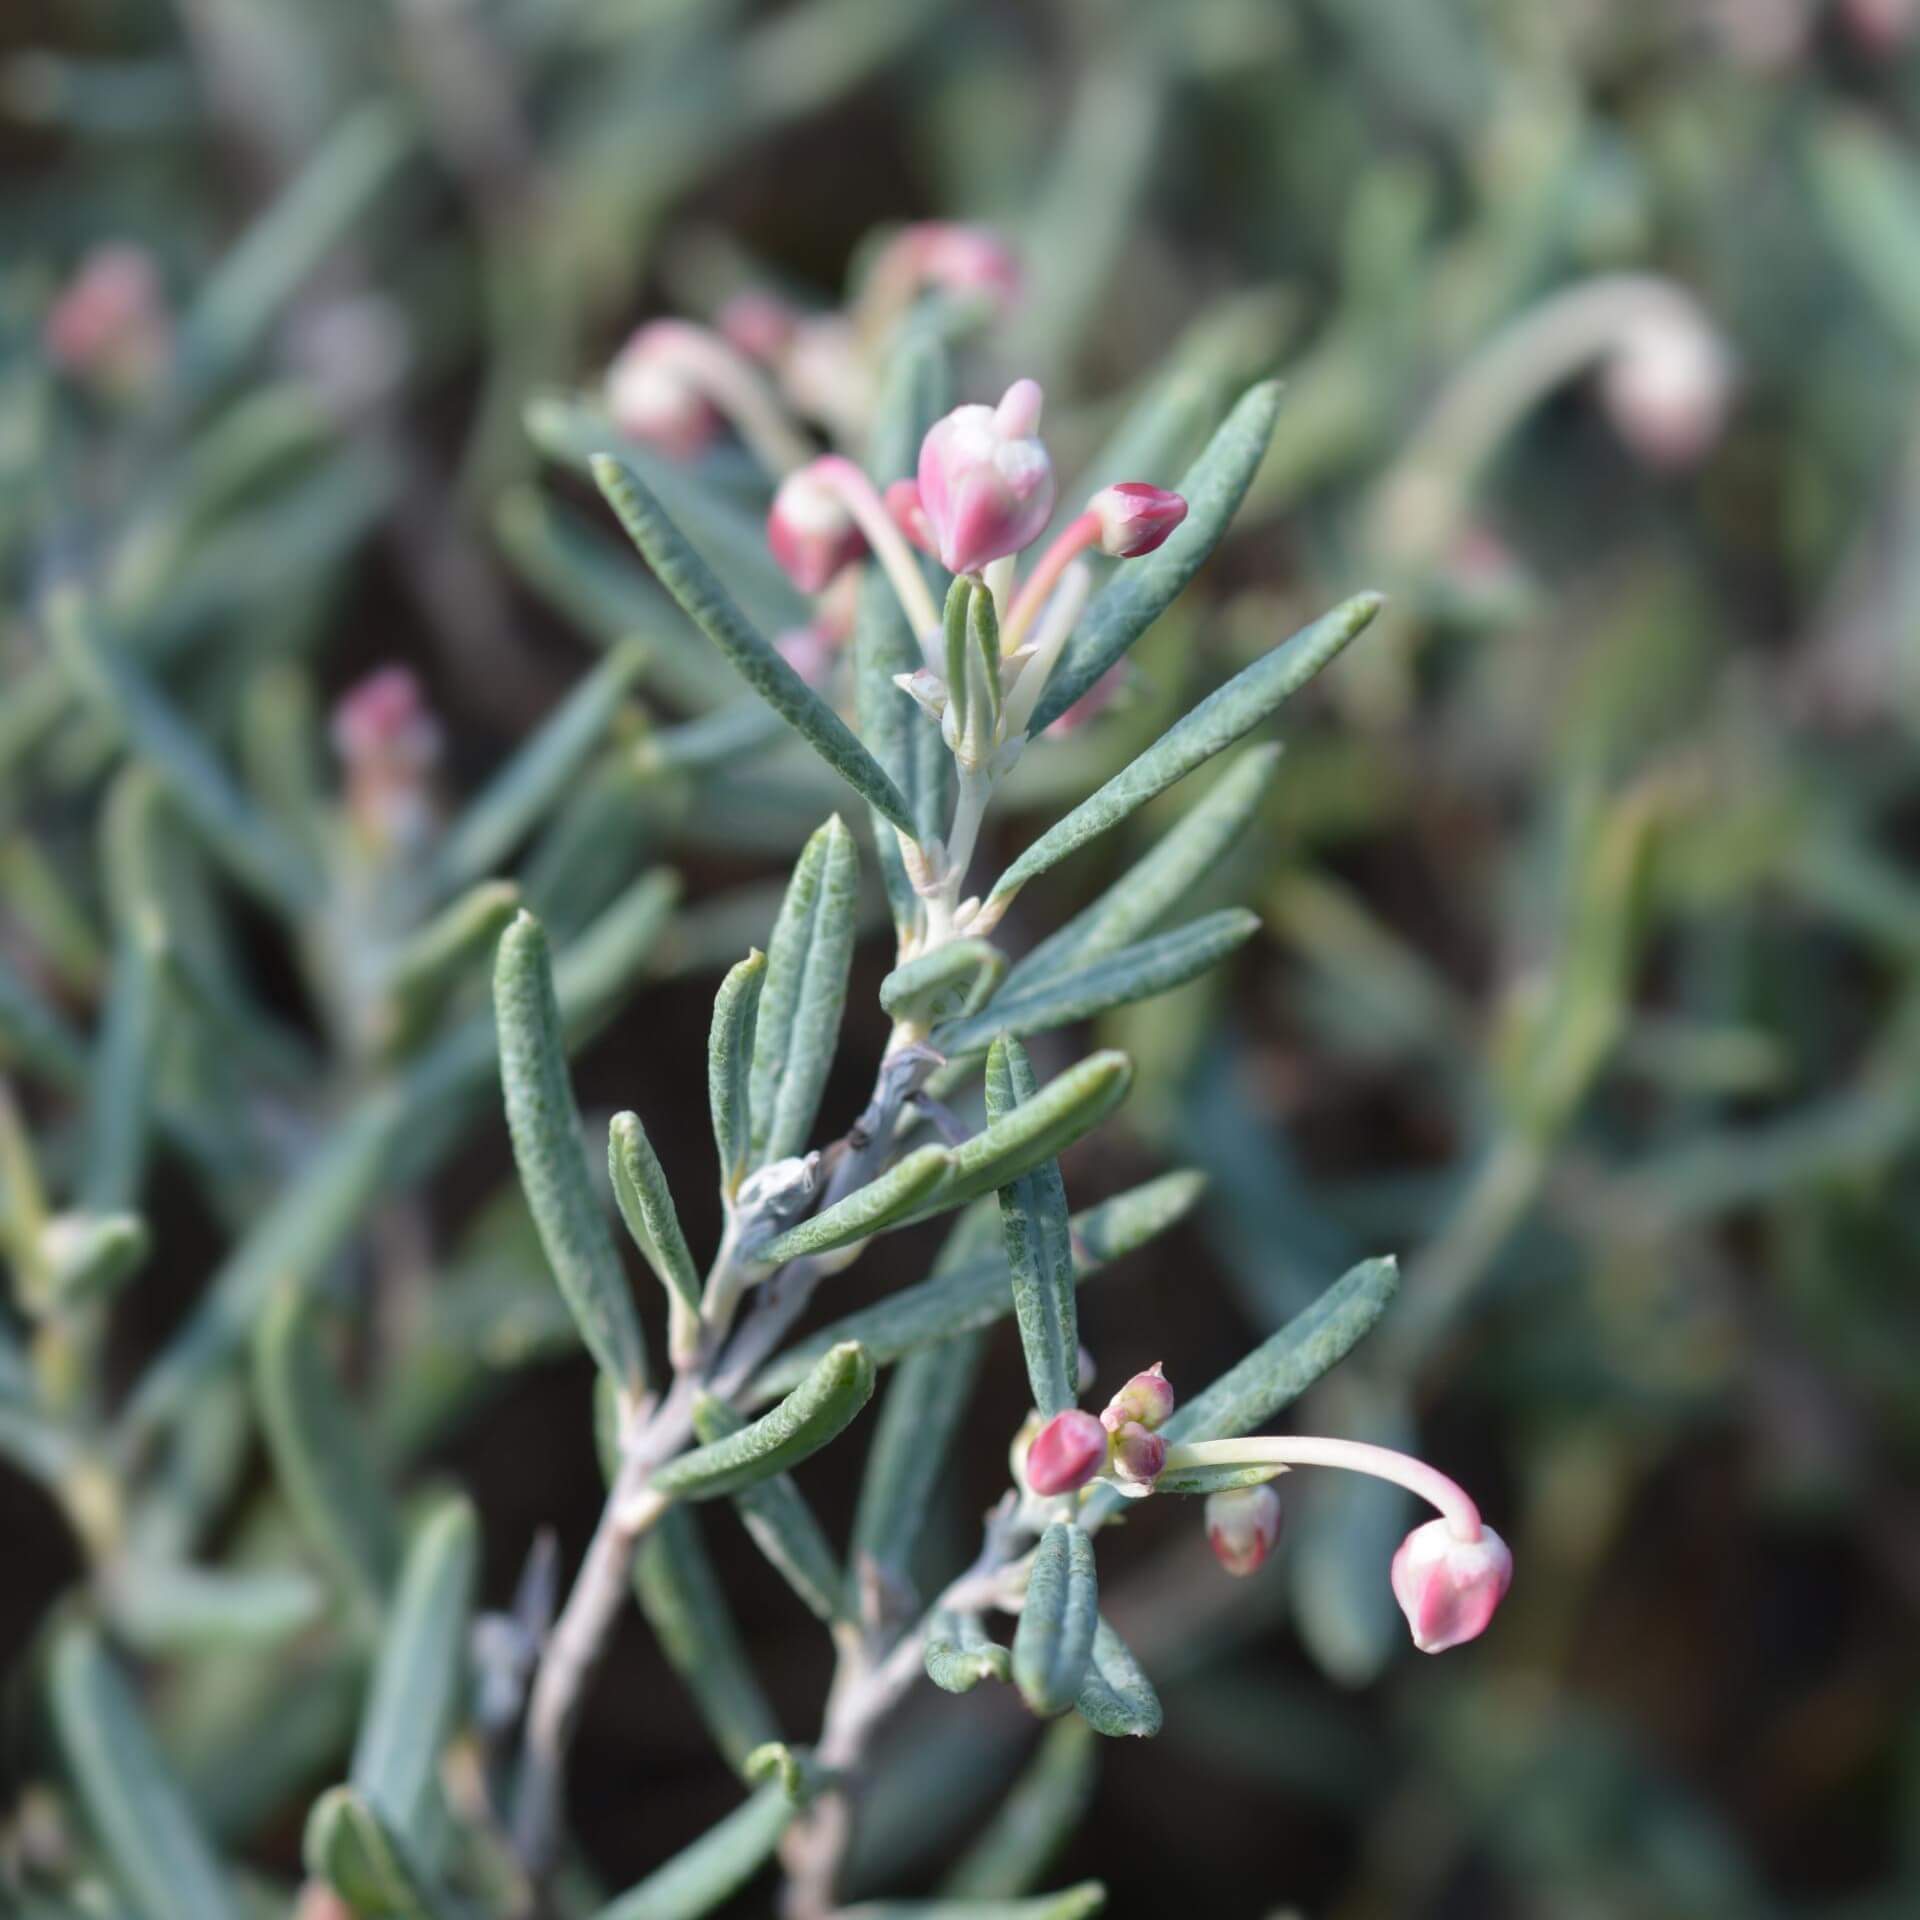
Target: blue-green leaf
1053,1643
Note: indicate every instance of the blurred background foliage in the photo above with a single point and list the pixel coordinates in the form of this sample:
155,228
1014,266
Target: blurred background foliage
1588,980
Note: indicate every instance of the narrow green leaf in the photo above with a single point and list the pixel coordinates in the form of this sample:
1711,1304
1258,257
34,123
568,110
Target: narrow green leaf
675,1584
133,1805
431,964
1069,1105
731,1041
1149,890
1053,1642
1116,1697
646,1205
808,959
1044,1806
707,604
1141,591
1033,1219
316,1440
715,1867
542,769
351,1849
1205,1480
1214,725
952,981
419,1678
913,1436
1139,972
953,634
545,1127
120,1090
168,1607
816,1412
904,1192
975,1294
781,1524
250,845
959,1654
1073,1903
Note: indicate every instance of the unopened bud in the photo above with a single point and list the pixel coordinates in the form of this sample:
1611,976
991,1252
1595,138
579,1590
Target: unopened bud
1146,1398
1449,1587
759,324
986,481
1134,517
653,401
1668,388
1243,1527
1066,1453
1138,1455
812,534
110,323
906,513
963,260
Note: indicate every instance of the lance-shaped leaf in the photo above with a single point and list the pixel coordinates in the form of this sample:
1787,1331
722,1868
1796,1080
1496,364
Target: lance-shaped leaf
420,1675
817,1411
807,962
1138,972
917,390
1214,725
646,1205
120,1093
904,1192
975,1294
708,605
912,1438
1039,1246
246,840
1116,1697
675,1584
133,1803
545,1127
715,1867
1041,1809
959,1653
353,1851
952,981
1206,1480
540,771
1053,1643
1039,1129
730,1049
164,1606
1149,890
1141,591
316,1439
432,963
1071,1903
781,1524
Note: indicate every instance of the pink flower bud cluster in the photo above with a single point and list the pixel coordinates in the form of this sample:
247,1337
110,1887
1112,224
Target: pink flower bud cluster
1074,1447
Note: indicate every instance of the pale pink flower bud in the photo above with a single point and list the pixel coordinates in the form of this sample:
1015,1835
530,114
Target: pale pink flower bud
759,324
1668,388
1146,1398
986,483
1066,1453
906,513
1243,1527
1449,1587
653,401
1881,26
1134,517
811,532
1138,1455
110,323
964,260
384,721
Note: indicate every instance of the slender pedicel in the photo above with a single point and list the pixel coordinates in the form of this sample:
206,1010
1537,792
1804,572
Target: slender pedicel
730,382
1456,1507
863,503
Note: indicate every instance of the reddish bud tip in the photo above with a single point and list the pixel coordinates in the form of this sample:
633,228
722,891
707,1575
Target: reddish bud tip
1138,1455
1066,1453
1134,517
1449,1587
811,532
1243,1527
384,721
986,482
1147,1398
963,260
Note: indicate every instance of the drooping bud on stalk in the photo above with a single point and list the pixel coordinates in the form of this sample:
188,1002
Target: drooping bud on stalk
986,482
1243,1527
1668,387
1147,1398
1447,1586
657,403
1066,1453
1135,517
811,532
1138,1455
